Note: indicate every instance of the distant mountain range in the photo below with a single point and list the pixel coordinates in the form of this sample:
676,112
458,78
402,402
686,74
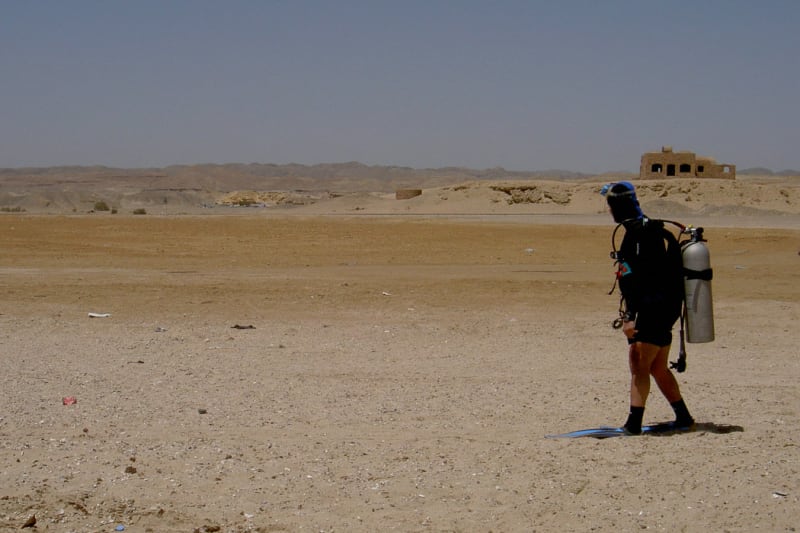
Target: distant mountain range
329,171
351,176
344,177
761,171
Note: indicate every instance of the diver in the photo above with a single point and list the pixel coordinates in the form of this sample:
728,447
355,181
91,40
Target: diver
650,280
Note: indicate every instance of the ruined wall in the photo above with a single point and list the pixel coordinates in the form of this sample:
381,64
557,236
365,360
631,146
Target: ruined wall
684,164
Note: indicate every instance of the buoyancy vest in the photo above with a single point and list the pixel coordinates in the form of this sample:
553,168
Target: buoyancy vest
650,268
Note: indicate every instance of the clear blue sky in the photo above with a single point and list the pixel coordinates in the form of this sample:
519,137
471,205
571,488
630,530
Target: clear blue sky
528,85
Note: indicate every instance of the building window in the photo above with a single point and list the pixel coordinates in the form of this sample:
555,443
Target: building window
700,169
685,168
670,170
657,168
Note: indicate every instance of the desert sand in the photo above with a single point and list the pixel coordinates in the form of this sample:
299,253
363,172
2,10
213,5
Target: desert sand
369,364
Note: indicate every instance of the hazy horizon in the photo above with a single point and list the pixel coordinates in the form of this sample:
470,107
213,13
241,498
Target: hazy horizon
528,86
545,171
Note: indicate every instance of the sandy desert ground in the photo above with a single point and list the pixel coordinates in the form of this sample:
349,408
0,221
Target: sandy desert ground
401,373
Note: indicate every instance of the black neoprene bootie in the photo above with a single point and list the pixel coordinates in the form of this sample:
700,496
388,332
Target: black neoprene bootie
682,417
634,423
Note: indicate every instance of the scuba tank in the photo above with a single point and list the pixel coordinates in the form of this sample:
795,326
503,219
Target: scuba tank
697,287
697,318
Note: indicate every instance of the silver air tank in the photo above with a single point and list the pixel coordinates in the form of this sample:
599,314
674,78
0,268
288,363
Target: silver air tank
697,287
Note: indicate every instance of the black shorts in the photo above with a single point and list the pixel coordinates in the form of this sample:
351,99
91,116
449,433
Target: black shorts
654,328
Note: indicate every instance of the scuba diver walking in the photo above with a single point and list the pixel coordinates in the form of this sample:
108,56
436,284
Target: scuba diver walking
651,280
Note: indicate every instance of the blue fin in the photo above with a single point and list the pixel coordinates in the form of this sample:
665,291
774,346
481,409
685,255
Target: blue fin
604,432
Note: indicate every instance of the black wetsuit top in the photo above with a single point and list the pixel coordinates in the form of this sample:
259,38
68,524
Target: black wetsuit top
651,279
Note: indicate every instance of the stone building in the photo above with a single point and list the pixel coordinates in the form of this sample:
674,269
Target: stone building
683,164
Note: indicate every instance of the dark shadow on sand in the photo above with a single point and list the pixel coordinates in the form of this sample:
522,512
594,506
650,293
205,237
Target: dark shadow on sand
719,429
701,427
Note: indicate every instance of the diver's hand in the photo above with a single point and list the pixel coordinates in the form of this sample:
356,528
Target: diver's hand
629,328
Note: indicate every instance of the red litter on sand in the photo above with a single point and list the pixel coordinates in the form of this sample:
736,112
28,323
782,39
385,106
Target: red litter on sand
69,400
